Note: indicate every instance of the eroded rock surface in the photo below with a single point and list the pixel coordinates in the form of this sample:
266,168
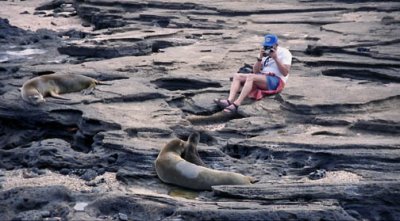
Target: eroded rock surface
92,157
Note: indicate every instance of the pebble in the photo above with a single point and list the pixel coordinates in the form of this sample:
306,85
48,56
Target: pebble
38,171
52,219
89,175
122,217
80,206
45,213
65,171
29,174
318,174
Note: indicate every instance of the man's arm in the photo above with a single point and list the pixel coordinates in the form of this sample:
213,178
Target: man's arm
283,68
258,65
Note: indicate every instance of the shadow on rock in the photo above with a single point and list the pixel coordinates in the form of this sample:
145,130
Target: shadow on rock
219,117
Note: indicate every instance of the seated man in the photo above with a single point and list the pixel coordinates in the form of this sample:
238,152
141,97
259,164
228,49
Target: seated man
269,76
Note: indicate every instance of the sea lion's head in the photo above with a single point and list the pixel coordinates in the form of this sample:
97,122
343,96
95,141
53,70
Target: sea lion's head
33,97
36,99
176,145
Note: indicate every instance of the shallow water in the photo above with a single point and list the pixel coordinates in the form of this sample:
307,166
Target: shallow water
20,54
184,193
26,52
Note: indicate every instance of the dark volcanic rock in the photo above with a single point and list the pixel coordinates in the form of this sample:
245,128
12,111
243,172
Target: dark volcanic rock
51,5
325,148
11,34
33,203
347,193
134,207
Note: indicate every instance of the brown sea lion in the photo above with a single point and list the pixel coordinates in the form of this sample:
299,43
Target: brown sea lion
171,168
34,90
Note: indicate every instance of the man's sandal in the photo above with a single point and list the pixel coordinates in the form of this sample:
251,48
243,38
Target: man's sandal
222,103
231,109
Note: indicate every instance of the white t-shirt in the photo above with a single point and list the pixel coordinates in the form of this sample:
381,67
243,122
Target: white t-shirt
270,65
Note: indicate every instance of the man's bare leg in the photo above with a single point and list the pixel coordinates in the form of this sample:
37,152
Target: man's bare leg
252,80
237,81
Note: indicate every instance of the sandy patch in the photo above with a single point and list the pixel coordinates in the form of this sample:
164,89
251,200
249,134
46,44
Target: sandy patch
211,127
335,177
12,10
15,179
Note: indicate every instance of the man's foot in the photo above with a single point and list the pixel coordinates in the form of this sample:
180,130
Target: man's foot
222,103
231,109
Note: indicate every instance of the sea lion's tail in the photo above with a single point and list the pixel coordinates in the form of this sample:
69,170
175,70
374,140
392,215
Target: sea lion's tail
253,180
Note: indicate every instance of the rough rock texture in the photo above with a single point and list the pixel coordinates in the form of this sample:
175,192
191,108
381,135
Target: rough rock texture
92,157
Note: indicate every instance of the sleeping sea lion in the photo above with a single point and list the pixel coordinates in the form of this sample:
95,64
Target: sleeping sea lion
171,168
34,90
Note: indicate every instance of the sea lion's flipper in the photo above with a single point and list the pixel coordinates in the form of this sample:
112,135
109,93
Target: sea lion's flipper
55,95
254,180
88,91
102,83
190,153
194,138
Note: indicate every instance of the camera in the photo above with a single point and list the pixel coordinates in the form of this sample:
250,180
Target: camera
267,50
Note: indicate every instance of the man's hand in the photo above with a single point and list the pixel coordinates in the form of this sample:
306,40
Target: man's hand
272,54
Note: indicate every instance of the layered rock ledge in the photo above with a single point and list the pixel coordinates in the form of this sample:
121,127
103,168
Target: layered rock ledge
326,148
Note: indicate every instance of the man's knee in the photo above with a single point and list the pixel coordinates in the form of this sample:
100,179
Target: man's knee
238,77
250,77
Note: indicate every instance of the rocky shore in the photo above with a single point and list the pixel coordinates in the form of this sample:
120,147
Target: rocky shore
326,148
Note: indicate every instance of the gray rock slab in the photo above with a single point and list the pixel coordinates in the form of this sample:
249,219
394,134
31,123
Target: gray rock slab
167,61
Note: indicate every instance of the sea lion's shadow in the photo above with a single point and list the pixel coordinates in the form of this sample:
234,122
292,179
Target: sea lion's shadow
215,118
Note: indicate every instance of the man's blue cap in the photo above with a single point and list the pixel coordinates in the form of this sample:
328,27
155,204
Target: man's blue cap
270,40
